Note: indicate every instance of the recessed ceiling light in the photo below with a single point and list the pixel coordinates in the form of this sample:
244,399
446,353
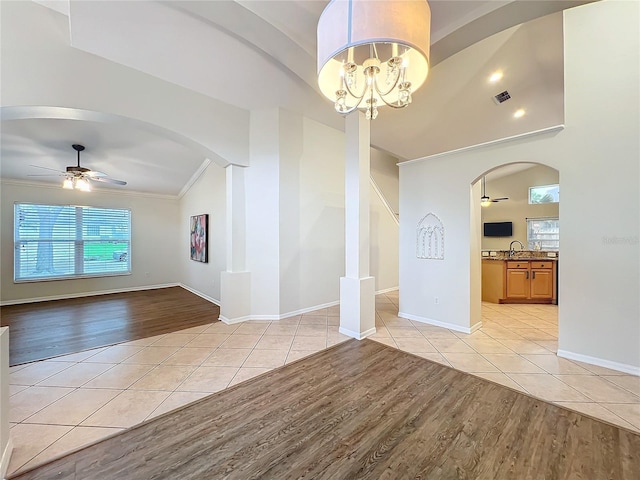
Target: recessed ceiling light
495,76
519,113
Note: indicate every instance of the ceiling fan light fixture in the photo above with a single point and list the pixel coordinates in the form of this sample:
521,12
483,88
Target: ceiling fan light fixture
373,53
67,183
485,201
82,184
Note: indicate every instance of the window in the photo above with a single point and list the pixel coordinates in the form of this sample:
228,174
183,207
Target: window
54,242
543,233
544,194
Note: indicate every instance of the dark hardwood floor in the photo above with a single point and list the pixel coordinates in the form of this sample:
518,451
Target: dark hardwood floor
48,329
361,410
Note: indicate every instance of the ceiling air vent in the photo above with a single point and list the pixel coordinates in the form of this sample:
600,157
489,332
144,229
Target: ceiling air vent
501,97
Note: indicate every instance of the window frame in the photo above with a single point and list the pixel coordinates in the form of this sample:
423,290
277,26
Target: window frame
543,186
77,257
531,242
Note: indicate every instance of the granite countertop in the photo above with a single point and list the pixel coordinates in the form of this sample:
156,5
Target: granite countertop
523,255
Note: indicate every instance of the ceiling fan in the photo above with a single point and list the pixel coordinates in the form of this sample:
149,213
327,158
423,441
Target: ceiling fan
486,201
80,178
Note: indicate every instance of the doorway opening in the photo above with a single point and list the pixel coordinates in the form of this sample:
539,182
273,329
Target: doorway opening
519,247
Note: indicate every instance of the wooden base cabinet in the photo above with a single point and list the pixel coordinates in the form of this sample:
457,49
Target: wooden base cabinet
519,281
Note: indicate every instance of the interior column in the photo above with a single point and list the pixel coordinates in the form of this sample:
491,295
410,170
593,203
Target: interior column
357,288
235,282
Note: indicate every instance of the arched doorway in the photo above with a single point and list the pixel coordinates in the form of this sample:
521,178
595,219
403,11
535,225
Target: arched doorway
519,238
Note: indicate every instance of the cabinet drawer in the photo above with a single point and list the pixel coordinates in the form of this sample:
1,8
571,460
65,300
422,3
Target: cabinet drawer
524,264
541,264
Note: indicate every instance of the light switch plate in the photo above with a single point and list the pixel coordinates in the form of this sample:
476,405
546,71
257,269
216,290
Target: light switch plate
551,254
485,254
493,254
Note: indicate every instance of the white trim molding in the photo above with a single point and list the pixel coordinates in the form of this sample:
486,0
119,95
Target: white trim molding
275,318
194,178
438,323
387,290
200,294
356,335
6,458
600,362
87,294
384,201
521,136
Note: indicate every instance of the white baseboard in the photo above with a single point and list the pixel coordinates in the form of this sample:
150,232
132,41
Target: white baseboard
356,335
600,362
307,310
275,318
387,290
231,321
200,294
87,294
438,323
6,458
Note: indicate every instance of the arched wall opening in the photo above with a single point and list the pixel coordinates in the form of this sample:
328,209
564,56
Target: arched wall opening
519,251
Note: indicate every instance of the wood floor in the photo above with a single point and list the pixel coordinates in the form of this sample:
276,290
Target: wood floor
48,329
361,410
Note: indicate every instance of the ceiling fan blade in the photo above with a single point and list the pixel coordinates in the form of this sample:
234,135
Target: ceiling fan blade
48,175
107,180
94,174
46,168
501,198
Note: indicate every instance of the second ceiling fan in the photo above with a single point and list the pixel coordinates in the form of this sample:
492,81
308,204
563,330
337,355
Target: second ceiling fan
485,200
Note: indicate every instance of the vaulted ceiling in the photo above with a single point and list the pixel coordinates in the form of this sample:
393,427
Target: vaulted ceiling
261,54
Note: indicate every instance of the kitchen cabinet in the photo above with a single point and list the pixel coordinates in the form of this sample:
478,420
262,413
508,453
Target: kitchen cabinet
518,284
519,281
542,280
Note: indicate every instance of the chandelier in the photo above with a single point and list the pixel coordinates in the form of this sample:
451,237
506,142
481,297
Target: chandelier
373,53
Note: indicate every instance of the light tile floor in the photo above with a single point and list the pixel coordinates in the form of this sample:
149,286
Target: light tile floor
62,404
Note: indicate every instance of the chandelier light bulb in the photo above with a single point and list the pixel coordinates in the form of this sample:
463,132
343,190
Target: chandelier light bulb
384,43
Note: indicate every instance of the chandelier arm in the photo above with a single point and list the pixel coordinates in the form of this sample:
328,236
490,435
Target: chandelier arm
395,84
352,109
392,105
359,97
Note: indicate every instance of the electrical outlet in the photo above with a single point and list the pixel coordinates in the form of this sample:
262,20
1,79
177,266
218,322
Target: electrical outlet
551,254
147,274
435,300
485,254
493,254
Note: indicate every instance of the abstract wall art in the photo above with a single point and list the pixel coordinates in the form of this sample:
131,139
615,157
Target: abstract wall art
198,239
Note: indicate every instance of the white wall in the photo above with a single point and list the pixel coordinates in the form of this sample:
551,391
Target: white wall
206,195
517,209
384,244
154,241
263,213
384,171
311,213
435,187
599,278
295,216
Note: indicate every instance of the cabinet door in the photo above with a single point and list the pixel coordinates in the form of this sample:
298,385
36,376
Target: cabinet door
518,283
541,283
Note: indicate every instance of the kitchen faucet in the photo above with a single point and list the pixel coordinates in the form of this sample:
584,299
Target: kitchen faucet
511,250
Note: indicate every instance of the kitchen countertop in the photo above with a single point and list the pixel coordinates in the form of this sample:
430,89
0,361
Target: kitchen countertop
525,255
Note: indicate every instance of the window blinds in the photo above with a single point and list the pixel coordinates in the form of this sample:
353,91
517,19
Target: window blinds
68,241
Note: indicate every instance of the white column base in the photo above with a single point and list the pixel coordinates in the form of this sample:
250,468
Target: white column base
357,307
235,296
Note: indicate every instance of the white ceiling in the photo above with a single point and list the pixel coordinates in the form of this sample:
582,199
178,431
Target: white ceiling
274,41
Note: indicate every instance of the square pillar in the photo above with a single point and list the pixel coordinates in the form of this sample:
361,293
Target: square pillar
357,288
